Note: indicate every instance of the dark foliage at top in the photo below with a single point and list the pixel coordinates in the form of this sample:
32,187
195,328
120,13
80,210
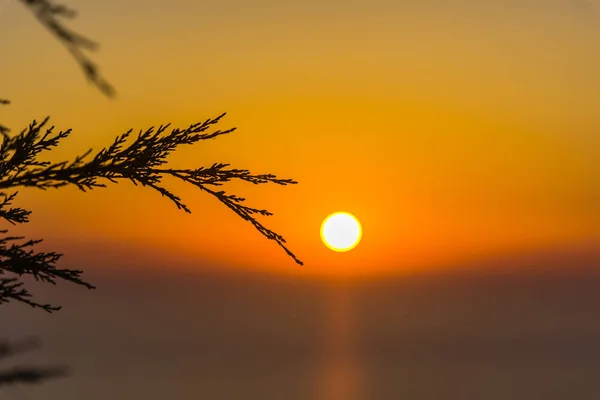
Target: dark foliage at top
142,161
51,15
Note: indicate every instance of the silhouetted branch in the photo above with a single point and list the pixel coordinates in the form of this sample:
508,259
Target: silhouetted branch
51,15
26,375
141,162
31,375
20,259
13,215
3,129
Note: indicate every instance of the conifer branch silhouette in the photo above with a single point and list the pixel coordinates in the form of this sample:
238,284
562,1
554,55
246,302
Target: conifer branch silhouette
142,162
19,258
51,15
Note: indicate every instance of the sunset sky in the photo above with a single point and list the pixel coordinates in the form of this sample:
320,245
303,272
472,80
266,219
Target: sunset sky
463,134
451,129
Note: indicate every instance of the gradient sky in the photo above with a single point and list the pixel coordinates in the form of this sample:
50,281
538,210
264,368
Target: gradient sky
451,129
463,134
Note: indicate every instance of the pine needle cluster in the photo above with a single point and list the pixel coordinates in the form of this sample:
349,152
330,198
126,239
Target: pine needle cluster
141,162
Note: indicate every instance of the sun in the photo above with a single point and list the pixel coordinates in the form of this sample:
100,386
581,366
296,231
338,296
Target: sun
341,231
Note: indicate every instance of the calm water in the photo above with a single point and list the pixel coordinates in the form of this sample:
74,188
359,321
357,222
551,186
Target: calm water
256,338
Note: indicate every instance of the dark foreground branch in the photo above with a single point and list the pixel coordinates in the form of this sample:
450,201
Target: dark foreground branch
27,374
141,162
51,15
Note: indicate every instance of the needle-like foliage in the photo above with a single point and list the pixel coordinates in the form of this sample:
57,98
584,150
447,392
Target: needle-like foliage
142,161
51,15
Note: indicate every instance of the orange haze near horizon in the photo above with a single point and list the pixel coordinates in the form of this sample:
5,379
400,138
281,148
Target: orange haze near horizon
450,132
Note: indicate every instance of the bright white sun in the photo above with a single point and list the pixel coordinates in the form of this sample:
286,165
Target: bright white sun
341,231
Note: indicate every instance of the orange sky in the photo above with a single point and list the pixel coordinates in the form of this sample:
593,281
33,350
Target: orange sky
451,129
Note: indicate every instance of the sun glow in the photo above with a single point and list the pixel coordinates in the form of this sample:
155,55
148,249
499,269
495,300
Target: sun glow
341,231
